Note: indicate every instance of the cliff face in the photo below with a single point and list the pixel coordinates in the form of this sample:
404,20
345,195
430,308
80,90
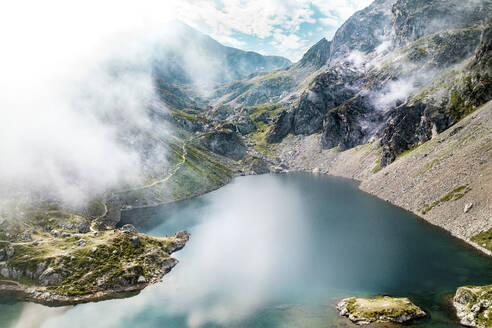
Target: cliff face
415,19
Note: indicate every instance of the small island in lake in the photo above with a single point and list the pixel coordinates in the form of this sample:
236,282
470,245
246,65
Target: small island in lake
363,311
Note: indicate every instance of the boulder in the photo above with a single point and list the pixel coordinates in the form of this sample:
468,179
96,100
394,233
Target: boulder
129,228
83,227
50,277
10,251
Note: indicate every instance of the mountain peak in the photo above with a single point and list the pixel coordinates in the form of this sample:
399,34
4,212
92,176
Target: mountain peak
317,55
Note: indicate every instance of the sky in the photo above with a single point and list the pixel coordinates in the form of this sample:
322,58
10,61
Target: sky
274,27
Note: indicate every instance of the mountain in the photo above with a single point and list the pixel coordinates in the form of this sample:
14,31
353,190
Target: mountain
317,55
190,56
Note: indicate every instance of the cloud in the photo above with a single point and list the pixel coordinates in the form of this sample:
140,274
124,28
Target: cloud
394,92
229,40
340,10
247,240
61,107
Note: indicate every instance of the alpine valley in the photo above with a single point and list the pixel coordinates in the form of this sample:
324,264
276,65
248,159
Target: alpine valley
399,100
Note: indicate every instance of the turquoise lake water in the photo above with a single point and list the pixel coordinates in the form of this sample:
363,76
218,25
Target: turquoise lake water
279,251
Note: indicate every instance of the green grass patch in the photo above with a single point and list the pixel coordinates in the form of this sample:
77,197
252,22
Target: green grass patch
484,239
452,195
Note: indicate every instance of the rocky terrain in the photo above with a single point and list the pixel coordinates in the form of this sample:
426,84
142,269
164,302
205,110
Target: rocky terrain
60,259
474,306
364,311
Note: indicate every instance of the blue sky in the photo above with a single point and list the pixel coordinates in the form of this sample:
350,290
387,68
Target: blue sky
274,27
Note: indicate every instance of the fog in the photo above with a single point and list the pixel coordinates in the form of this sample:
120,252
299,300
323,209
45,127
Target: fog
51,142
74,78
245,249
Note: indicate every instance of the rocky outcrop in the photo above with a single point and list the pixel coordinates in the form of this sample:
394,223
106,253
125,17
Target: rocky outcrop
364,311
473,306
416,121
317,56
408,127
281,127
225,143
328,91
350,124
414,19
364,31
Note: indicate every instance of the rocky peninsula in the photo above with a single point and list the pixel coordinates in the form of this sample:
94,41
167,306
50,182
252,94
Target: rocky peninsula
61,259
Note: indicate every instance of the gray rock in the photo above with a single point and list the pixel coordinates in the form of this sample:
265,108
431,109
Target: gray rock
135,240
225,143
10,251
182,234
468,207
26,236
83,227
281,128
129,228
50,277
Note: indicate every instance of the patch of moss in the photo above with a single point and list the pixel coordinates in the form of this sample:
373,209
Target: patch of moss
457,105
428,167
452,195
484,239
381,307
377,167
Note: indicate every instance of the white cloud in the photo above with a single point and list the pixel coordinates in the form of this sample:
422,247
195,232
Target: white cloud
340,9
228,40
289,44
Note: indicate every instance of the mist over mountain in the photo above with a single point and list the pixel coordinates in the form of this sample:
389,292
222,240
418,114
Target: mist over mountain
189,54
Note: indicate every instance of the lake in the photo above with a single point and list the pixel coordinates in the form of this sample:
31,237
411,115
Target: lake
279,251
